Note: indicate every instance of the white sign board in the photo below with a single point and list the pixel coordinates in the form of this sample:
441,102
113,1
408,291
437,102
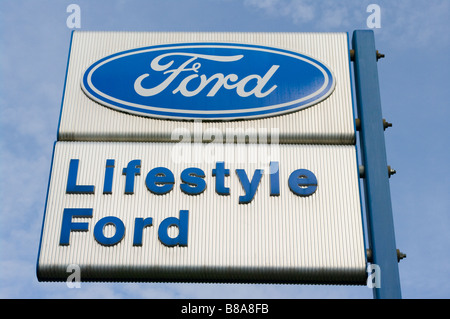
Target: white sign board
205,157
203,212
143,86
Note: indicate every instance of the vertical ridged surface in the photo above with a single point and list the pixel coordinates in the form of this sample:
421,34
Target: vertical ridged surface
328,122
286,238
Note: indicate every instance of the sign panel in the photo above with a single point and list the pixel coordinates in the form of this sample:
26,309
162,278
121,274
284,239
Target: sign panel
143,86
203,212
208,81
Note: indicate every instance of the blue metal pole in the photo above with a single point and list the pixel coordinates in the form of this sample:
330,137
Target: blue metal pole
376,177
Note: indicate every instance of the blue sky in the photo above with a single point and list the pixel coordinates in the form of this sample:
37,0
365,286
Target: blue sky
414,83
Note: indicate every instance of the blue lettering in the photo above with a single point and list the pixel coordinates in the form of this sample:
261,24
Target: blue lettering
274,170
160,180
133,168
220,172
193,181
302,182
72,187
139,225
249,187
181,223
113,240
68,226
109,173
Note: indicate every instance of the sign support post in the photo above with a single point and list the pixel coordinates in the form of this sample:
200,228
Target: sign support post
376,174
205,132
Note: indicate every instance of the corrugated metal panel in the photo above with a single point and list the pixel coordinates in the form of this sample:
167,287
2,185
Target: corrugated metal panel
286,238
331,121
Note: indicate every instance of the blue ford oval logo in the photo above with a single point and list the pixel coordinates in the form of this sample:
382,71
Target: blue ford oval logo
208,81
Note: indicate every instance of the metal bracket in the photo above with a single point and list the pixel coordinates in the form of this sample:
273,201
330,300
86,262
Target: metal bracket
400,255
378,55
386,124
391,171
358,124
362,172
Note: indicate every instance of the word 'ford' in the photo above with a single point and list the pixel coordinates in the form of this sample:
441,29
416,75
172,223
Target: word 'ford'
208,81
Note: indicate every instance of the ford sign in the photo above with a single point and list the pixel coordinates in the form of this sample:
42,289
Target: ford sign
208,81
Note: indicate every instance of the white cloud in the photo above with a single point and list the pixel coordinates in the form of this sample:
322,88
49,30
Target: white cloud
413,24
297,11
404,23
322,15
